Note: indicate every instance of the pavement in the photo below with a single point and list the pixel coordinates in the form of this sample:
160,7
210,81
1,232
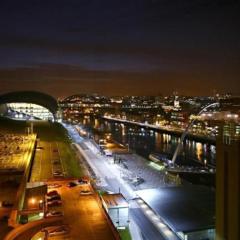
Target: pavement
109,177
133,165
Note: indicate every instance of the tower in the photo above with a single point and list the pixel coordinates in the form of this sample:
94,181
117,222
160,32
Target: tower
228,183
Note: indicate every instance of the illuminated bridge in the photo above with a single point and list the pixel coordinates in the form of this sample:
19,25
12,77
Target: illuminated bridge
28,105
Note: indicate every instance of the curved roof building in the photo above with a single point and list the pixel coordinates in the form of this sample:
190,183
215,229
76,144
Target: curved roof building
29,104
38,98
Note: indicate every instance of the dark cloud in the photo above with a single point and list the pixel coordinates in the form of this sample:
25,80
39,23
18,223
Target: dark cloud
125,47
64,80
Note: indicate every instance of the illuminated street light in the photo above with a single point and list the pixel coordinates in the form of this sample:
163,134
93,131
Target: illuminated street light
41,214
143,206
32,201
161,225
149,212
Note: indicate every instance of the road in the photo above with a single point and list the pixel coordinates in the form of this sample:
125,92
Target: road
110,179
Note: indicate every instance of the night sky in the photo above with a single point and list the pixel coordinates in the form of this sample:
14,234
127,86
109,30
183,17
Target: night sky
117,47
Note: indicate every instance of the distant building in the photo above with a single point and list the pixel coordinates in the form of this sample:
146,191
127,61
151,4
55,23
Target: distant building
228,183
179,118
176,103
117,208
230,104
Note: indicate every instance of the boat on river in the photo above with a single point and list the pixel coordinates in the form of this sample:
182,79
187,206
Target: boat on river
161,159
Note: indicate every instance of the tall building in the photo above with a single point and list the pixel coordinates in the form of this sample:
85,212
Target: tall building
228,183
230,103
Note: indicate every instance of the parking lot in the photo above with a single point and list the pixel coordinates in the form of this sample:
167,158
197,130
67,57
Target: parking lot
83,218
47,162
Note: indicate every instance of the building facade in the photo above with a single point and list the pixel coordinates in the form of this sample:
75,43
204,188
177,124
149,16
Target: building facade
228,183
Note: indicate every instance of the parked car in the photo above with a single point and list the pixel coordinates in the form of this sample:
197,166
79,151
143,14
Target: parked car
54,185
53,198
54,203
82,181
52,193
39,147
71,184
52,228
57,174
137,181
54,214
59,231
86,192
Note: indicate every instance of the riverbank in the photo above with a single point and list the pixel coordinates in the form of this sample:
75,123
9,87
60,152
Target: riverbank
168,130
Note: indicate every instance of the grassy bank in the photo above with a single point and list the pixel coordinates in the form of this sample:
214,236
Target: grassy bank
125,234
69,160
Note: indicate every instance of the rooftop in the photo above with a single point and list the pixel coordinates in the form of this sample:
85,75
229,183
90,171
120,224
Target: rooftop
184,209
13,149
115,200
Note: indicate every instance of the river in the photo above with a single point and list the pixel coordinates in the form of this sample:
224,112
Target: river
145,141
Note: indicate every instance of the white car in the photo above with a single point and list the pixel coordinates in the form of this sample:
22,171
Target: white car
58,174
54,185
86,192
59,231
54,214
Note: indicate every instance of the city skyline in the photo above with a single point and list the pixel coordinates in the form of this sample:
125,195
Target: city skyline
119,119
121,48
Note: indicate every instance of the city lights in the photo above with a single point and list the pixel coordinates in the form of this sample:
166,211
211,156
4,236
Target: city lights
119,120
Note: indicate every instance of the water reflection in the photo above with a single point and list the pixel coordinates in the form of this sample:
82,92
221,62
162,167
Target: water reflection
145,141
199,148
96,123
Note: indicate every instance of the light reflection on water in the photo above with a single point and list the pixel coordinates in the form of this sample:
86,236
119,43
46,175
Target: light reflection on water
145,141
199,147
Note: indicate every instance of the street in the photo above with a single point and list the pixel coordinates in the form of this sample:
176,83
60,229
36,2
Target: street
110,179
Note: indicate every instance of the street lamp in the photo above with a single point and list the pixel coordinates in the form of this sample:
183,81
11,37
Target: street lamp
33,201
128,147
